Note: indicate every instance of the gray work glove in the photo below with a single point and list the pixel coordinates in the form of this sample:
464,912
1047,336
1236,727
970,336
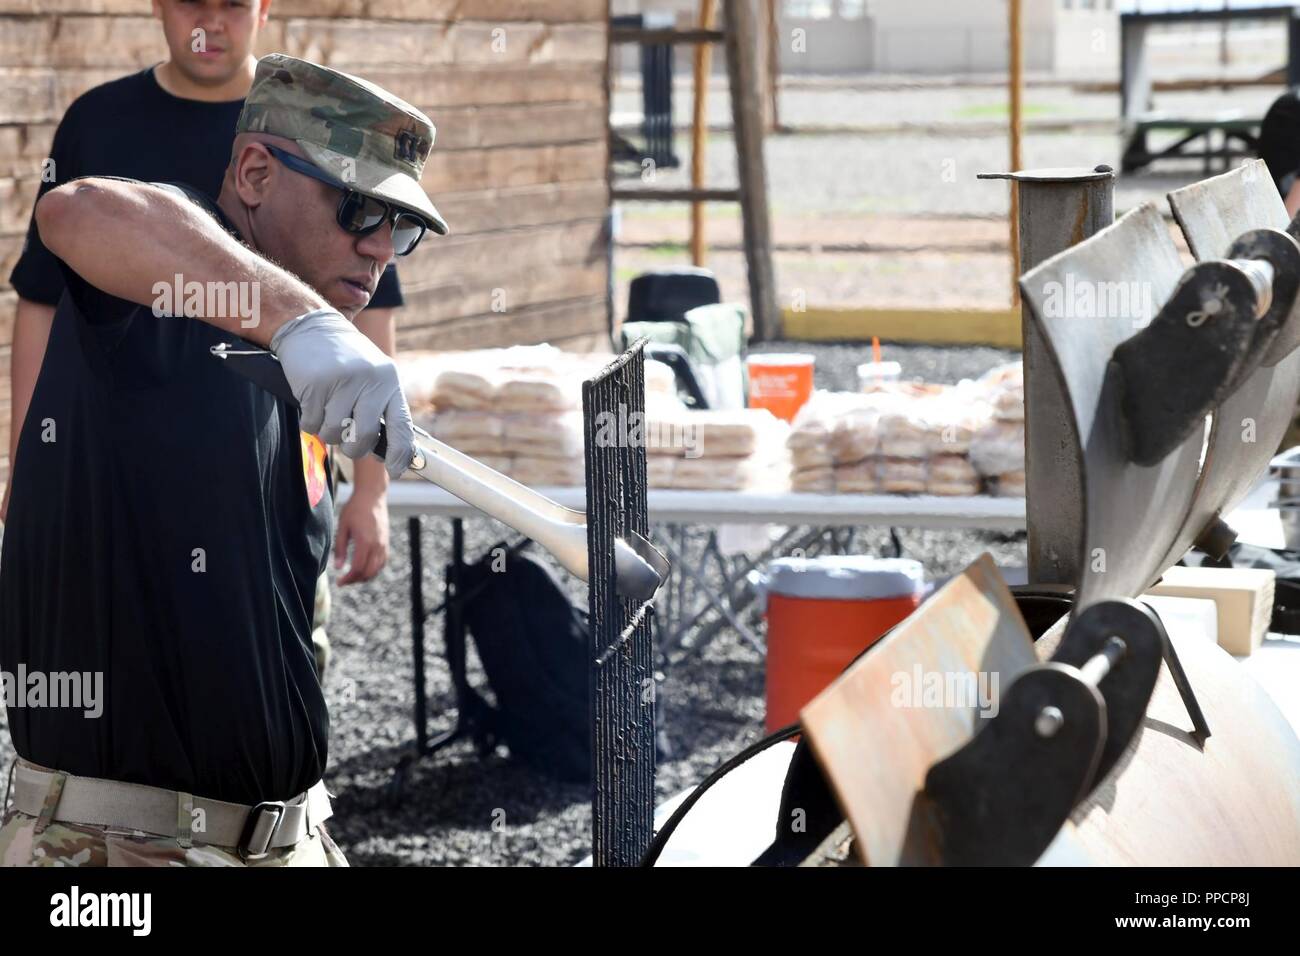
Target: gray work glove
344,383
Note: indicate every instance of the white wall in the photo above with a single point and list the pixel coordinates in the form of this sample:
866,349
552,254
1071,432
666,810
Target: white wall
942,36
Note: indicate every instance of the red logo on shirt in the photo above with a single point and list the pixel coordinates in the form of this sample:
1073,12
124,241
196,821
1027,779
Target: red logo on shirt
313,467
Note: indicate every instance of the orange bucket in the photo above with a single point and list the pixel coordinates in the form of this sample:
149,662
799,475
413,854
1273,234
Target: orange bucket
781,383
822,613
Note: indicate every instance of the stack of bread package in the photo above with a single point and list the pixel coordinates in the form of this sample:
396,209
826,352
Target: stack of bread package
998,448
910,439
519,411
740,449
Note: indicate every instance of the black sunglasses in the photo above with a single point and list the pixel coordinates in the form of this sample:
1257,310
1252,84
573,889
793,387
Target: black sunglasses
358,213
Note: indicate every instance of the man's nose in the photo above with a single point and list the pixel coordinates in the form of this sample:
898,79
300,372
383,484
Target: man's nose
378,245
208,21
212,16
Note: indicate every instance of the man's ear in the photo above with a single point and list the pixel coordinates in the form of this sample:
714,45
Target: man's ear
263,13
253,174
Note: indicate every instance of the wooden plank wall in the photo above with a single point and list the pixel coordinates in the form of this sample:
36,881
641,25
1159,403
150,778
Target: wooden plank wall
516,89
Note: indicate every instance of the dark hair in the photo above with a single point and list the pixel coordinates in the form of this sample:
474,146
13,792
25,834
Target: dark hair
1279,137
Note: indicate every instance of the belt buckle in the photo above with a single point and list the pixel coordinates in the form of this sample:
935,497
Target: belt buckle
255,841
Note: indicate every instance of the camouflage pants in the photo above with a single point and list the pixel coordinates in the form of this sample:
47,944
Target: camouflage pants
320,641
66,844
27,840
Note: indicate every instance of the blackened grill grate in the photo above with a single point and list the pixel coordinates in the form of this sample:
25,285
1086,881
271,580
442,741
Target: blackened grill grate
621,677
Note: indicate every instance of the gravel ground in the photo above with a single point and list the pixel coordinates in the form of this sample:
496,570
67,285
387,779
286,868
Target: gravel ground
463,809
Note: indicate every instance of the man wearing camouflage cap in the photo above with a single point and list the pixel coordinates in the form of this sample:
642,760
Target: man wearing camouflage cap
195,571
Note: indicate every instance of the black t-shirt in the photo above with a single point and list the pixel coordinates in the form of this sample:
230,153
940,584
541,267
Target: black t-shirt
1279,140
134,128
167,525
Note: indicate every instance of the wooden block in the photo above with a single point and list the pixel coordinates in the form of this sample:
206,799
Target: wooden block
876,744
1244,597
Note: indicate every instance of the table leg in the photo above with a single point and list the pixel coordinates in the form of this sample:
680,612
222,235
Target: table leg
423,745
417,632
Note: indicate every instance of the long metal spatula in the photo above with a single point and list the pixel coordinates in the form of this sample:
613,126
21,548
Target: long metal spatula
639,566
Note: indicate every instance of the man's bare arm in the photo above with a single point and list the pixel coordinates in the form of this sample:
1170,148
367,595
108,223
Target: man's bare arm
124,237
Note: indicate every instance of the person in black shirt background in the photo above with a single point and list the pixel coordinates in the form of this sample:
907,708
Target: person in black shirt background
175,122
1279,147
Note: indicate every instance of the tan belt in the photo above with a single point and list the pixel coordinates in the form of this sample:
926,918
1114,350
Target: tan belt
251,830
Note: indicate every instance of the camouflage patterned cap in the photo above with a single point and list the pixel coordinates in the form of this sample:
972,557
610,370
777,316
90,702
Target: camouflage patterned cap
357,132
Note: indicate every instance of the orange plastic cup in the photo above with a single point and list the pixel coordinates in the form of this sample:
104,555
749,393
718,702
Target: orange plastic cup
781,383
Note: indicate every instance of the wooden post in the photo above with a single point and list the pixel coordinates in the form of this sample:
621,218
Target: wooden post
699,130
1015,69
747,124
773,66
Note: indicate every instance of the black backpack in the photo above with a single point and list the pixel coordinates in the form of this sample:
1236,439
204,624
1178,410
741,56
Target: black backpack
532,641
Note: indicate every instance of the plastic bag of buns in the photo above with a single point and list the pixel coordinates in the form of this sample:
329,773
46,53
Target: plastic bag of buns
543,434
998,448
903,476
818,480
549,472
952,475
1010,485
860,478
465,388
472,432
